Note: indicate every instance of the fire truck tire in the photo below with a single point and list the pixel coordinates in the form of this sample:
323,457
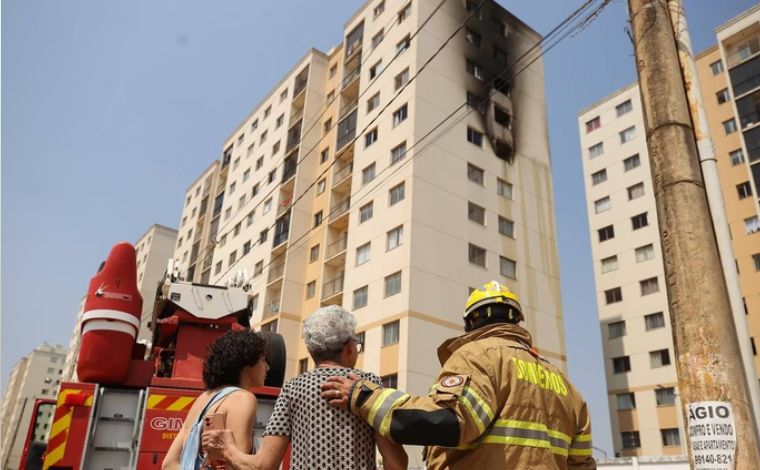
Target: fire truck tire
276,358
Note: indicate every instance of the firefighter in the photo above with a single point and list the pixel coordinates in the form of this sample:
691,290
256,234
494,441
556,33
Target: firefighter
496,403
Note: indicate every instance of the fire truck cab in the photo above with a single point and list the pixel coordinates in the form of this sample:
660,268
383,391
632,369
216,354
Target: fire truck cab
128,419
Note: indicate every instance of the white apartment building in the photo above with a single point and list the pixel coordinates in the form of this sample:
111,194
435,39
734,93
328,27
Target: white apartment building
332,192
34,376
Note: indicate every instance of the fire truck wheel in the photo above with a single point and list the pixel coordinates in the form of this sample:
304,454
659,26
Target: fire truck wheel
276,357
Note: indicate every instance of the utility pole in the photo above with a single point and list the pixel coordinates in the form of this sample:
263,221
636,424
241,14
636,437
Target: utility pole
709,164
709,364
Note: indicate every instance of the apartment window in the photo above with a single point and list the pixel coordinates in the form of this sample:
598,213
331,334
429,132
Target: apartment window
476,255
621,365
593,124
630,439
370,137
723,96
499,55
365,212
639,221
368,173
670,437
318,219
627,135
263,236
596,150
218,268
626,401
259,162
474,137
649,286
507,267
303,366
398,152
227,215
609,264
405,12
378,10
360,297
275,148
614,295
324,155
665,396
631,162
729,126
616,329
476,213
394,237
321,184
232,188
267,111
744,190
393,284
474,69
375,69
311,289
280,120
472,6
222,240
716,67
259,267
390,381
599,177
233,258
403,45
267,206
506,227
236,163
606,233
400,115
362,254
249,152
330,96
313,253
236,230
373,102
263,137
635,191
503,188
752,225
246,175
644,253
624,108
327,126
659,358
476,102
472,37
475,174
396,194
271,176
756,261
378,38
654,321
333,70
255,125
603,204
390,333
736,157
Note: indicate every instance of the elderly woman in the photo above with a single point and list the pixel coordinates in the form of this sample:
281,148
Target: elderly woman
322,437
236,361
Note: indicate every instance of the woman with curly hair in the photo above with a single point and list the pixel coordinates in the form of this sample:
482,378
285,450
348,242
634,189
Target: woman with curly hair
236,362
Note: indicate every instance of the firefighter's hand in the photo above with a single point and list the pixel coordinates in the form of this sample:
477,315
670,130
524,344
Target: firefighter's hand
336,390
215,441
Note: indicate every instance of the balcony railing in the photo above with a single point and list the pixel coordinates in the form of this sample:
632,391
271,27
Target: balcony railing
343,172
744,53
750,119
332,287
350,77
347,108
337,246
288,169
346,130
276,272
339,209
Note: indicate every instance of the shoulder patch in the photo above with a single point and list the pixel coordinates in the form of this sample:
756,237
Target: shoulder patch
452,381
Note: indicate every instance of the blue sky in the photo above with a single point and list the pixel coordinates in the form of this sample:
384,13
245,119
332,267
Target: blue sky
111,109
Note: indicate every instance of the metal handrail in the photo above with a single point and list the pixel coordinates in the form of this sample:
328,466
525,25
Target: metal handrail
333,286
339,209
337,246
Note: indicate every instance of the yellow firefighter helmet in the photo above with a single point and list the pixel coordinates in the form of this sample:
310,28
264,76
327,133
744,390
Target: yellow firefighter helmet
492,302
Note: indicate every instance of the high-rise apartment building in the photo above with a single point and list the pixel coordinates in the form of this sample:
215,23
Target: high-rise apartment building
154,249
34,376
625,241
339,188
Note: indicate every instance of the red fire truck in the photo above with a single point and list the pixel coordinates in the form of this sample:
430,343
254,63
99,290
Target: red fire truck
129,406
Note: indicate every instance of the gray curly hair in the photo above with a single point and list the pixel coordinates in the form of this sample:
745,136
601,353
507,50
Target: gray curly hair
326,331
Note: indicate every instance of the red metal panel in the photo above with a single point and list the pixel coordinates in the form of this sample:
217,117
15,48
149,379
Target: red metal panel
71,424
165,411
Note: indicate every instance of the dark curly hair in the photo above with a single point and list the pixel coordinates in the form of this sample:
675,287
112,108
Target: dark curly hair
229,354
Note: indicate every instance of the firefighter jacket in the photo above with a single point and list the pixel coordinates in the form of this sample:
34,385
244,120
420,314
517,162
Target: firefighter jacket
496,404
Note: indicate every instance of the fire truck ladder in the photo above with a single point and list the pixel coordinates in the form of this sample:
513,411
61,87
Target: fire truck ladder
113,440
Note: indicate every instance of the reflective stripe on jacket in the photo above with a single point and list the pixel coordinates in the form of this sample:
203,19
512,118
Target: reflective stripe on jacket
496,404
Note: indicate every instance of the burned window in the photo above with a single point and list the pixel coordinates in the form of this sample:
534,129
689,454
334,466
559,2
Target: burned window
501,116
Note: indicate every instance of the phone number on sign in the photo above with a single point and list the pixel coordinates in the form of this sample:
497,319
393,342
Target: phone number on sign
713,459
